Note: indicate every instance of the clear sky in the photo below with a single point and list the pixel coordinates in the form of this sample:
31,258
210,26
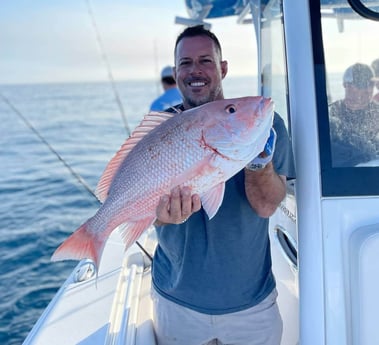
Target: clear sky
52,40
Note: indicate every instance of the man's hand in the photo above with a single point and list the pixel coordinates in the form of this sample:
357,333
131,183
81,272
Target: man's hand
177,207
265,157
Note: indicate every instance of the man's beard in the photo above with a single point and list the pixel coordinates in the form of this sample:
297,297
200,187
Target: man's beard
212,96
198,101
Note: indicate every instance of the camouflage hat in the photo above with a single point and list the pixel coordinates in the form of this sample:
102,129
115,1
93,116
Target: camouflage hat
359,75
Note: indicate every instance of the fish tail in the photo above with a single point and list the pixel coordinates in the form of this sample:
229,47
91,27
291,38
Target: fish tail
81,244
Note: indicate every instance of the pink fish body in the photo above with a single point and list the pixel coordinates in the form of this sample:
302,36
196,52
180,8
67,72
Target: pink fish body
201,148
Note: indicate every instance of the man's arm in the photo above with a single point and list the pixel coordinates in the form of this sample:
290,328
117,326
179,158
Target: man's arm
265,189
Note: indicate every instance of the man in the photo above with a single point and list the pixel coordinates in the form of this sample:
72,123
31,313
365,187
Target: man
212,279
171,95
354,120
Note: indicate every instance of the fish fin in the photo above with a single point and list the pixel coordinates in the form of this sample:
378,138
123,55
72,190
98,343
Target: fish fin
130,232
81,244
212,199
149,122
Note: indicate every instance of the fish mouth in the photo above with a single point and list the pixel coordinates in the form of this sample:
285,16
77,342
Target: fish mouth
266,105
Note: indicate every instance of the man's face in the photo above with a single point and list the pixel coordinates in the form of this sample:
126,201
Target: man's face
358,98
199,71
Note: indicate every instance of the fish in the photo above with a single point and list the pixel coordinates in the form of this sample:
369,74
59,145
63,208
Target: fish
201,148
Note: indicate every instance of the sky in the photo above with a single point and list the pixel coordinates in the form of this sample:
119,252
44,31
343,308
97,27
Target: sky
55,40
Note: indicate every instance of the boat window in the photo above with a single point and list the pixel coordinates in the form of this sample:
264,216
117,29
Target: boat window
273,81
347,72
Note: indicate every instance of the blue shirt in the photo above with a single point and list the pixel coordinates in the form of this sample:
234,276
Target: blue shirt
221,265
168,99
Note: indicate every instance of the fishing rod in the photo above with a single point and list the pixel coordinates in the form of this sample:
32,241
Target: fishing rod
108,67
60,158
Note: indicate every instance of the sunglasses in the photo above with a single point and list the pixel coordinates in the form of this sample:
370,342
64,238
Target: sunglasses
367,85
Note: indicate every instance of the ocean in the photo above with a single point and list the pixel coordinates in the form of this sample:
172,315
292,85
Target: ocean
41,202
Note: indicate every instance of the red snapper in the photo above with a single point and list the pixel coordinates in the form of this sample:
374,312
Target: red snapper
201,148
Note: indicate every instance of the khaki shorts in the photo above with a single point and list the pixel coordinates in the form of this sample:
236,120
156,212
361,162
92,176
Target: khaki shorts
177,325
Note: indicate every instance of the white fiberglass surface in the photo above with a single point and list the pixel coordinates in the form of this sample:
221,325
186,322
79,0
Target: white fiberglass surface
364,281
351,244
283,240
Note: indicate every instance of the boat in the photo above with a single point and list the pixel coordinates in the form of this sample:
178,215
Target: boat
324,235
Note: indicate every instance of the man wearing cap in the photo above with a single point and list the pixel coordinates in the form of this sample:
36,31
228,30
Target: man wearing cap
354,120
171,95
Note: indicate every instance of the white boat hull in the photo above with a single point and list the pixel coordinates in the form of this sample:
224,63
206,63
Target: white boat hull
112,308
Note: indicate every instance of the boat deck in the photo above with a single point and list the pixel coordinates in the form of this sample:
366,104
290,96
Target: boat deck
113,307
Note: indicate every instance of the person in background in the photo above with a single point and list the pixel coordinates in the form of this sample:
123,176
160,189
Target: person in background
171,95
354,120
212,279
375,67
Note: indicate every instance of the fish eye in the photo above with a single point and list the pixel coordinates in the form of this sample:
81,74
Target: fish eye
231,108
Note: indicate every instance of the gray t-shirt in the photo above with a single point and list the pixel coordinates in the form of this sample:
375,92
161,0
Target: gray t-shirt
221,265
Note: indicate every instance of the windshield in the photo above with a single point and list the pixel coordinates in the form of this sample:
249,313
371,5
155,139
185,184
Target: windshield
346,73
352,76
273,79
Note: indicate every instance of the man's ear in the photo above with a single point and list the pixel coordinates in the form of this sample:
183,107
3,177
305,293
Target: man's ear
224,68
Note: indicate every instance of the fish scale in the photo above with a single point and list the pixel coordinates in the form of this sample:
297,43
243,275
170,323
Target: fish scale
200,148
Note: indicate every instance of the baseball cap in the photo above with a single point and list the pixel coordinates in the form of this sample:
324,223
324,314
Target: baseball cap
359,75
167,72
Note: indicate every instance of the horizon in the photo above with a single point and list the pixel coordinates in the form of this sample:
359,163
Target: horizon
39,46
107,81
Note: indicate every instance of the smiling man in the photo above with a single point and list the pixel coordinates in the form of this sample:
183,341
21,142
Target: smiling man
212,279
199,70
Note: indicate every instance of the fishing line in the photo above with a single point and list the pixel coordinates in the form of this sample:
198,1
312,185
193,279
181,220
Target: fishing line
71,170
43,140
108,66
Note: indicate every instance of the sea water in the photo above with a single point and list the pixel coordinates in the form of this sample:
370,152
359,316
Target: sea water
41,203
